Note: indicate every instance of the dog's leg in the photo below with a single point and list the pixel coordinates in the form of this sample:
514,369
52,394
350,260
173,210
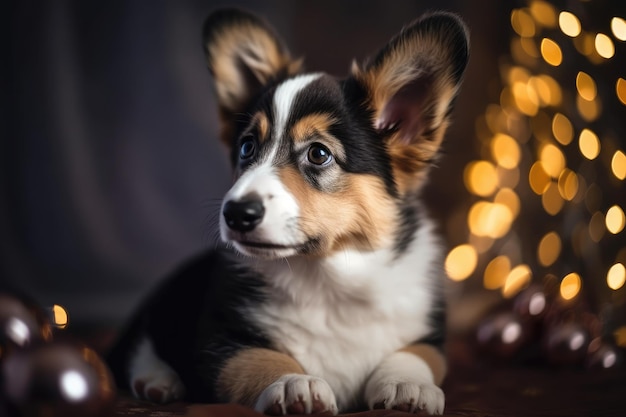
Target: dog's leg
273,383
407,380
151,378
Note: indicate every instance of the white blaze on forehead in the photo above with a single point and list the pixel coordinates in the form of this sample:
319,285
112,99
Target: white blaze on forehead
283,103
255,180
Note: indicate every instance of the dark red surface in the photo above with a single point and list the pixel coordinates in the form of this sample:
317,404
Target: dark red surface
473,388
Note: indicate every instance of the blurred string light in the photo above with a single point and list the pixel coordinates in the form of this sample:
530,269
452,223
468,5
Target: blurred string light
616,277
546,133
60,316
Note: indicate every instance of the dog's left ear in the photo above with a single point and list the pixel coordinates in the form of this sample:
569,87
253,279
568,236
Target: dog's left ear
411,84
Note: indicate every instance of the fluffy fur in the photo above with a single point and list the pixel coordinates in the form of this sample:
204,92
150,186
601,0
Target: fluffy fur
336,303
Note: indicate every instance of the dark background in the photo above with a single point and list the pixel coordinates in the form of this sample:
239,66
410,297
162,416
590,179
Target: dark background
110,167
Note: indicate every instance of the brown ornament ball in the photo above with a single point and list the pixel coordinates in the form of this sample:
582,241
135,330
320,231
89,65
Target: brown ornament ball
532,303
20,325
502,334
603,355
566,344
57,380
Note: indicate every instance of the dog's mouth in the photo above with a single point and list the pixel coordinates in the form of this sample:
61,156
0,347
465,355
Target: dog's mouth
265,245
268,249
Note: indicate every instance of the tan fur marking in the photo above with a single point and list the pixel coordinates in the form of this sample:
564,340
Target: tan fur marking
263,125
309,125
360,215
249,372
433,358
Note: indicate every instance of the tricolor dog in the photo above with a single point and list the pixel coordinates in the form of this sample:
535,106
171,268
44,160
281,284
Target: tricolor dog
327,293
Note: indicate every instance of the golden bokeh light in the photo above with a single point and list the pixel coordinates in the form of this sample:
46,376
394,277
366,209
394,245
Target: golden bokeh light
549,249
588,110
517,280
568,184
509,198
551,200
551,52
569,24
616,277
620,89
481,178
461,262
586,86
525,98
542,89
562,129
538,178
505,151
552,160
570,286
496,272
522,23
618,165
491,220
543,13
596,227
553,95
615,219
518,74
589,144
604,46
60,316
618,27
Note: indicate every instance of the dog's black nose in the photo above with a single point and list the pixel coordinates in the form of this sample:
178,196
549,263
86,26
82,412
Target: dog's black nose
243,215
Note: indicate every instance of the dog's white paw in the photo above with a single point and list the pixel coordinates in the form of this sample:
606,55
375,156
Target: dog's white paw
297,394
404,381
159,386
405,395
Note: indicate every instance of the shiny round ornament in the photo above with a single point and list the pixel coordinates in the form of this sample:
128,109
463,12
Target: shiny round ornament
502,334
566,344
603,355
532,303
21,325
57,380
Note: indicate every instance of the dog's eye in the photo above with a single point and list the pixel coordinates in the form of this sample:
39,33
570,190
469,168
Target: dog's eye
319,155
247,148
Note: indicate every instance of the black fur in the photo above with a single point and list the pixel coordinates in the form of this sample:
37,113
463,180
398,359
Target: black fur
195,322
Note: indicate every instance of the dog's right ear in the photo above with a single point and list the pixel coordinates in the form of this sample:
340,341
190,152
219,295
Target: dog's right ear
244,55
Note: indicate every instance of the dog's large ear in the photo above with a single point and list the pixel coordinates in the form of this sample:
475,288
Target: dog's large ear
243,54
410,87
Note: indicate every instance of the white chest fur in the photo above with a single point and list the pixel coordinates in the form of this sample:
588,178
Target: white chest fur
339,317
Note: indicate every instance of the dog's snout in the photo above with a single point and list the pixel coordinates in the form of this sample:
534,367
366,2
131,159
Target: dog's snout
243,215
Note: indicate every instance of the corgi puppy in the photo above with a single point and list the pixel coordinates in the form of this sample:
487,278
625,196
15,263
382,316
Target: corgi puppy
326,295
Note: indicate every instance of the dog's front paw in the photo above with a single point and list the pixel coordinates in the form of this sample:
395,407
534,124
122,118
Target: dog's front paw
404,395
158,386
297,394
